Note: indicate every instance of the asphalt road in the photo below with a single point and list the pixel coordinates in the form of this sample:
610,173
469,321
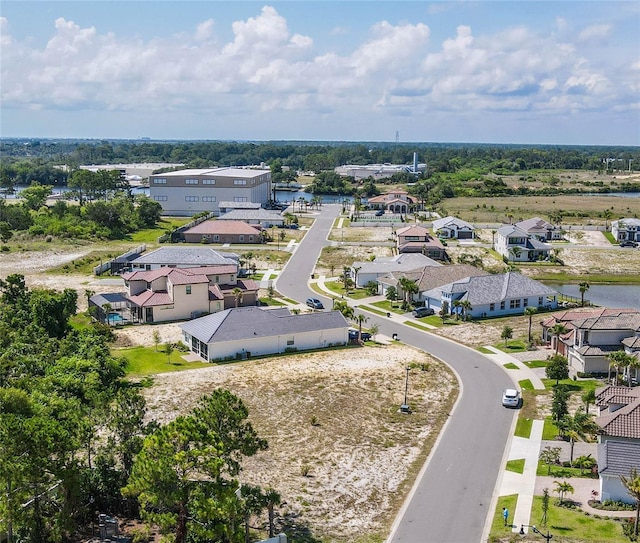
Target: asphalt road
451,501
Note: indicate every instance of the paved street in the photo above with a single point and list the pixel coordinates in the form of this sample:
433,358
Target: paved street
453,496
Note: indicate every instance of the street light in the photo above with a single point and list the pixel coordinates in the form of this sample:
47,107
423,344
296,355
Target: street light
404,408
547,537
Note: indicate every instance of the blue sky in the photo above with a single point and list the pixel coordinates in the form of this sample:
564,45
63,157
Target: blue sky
548,72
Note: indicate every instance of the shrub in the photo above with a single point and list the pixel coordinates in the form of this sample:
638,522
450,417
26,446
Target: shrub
305,469
314,421
5,249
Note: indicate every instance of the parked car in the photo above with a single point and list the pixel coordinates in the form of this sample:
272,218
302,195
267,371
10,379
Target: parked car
628,243
380,213
420,312
353,335
314,303
293,226
511,398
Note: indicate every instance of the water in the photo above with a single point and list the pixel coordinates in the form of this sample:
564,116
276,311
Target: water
605,295
288,196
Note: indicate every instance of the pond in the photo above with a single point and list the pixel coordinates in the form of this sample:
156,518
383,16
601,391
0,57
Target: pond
605,295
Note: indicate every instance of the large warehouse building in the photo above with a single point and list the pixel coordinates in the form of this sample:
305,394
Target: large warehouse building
187,192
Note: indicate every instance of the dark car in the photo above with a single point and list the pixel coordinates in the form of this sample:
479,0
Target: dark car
380,213
353,335
314,303
420,312
628,243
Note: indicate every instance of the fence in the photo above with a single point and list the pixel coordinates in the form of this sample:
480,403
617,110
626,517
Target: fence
177,234
115,265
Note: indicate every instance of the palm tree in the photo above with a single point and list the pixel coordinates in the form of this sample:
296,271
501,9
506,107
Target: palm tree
632,484
530,312
392,294
588,398
620,359
515,251
558,330
237,294
409,288
360,318
272,498
562,488
455,305
577,427
584,287
107,308
607,214
356,269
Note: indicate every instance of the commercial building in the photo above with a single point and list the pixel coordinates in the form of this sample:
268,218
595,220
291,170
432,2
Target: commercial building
187,192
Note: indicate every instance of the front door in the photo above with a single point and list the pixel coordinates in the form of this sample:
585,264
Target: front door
148,315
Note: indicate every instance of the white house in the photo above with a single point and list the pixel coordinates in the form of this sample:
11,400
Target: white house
367,271
513,243
540,229
626,229
493,295
242,332
453,228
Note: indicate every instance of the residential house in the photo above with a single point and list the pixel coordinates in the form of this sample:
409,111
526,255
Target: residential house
493,295
417,239
514,243
169,294
427,278
182,257
252,331
364,272
619,439
562,342
265,218
397,201
192,191
626,229
453,228
540,229
217,231
595,338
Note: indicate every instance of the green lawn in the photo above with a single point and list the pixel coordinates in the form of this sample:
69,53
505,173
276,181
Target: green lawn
509,366
517,466
416,325
516,346
526,384
151,235
579,386
550,430
566,525
536,364
338,288
484,350
561,471
143,361
523,427
271,301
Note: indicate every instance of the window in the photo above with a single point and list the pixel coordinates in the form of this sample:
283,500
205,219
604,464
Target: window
492,307
190,181
160,198
525,302
502,305
412,238
290,341
188,288
241,238
191,199
239,181
540,300
208,198
208,181
513,304
159,181
239,198
204,351
216,237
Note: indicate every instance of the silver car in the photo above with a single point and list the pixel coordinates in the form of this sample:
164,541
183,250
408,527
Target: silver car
511,398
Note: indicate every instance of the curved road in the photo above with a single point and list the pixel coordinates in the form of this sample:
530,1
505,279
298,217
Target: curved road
452,498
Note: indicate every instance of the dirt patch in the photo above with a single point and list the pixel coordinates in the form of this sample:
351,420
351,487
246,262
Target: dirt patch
302,404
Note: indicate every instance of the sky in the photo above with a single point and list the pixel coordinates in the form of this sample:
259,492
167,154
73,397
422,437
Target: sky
522,72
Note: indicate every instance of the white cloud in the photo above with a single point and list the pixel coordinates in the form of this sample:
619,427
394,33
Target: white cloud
268,67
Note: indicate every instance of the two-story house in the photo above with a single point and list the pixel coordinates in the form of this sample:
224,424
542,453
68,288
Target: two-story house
515,244
540,229
397,201
626,229
417,239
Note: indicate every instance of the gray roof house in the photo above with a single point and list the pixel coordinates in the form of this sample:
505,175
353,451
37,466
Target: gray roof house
540,229
454,228
518,245
242,332
370,270
428,278
182,257
619,439
626,229
494,295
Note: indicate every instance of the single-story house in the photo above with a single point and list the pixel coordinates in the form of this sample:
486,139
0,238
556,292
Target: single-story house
266,218
183,257
364,272
251,331
169,294
540,229
619,439
493,295
427,278
216,231
626,229
417,239
514,243
453,228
